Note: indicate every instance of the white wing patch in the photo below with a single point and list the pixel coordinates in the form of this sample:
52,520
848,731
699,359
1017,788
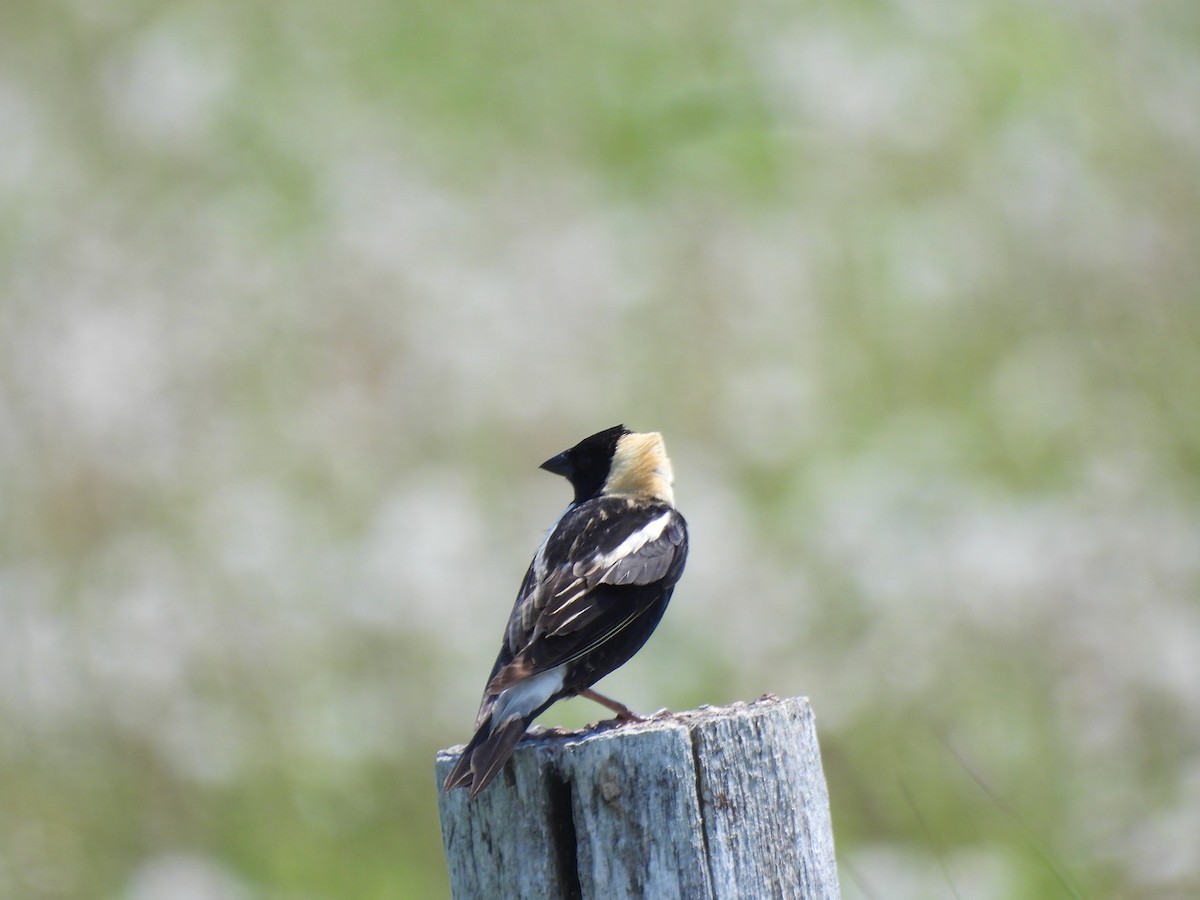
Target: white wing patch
571,618
648,533
578,582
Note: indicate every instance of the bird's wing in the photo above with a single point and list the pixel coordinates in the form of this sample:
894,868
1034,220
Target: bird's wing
573,598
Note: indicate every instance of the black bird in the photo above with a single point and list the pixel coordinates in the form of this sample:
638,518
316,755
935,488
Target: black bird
595,591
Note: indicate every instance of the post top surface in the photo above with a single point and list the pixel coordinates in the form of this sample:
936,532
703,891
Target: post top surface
663,720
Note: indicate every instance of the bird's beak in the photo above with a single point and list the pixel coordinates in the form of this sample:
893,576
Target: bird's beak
559,465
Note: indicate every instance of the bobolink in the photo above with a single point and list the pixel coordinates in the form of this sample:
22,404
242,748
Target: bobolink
595,591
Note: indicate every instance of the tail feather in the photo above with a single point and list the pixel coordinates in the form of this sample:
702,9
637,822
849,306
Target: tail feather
485,754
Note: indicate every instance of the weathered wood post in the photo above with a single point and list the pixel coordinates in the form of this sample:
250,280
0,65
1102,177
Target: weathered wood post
723,803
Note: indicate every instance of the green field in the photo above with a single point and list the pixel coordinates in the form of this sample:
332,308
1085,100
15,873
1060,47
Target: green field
295,297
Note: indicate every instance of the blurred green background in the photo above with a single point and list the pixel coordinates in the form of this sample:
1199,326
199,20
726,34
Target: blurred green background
294,298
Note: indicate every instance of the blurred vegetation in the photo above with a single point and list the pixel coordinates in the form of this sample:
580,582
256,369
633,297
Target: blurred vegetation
294,297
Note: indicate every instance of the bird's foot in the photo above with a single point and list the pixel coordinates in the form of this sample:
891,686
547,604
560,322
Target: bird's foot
624,713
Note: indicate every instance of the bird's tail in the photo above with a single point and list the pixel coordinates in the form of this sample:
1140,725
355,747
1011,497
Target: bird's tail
485,754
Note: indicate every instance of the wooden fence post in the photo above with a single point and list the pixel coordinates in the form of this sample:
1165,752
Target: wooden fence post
721,803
